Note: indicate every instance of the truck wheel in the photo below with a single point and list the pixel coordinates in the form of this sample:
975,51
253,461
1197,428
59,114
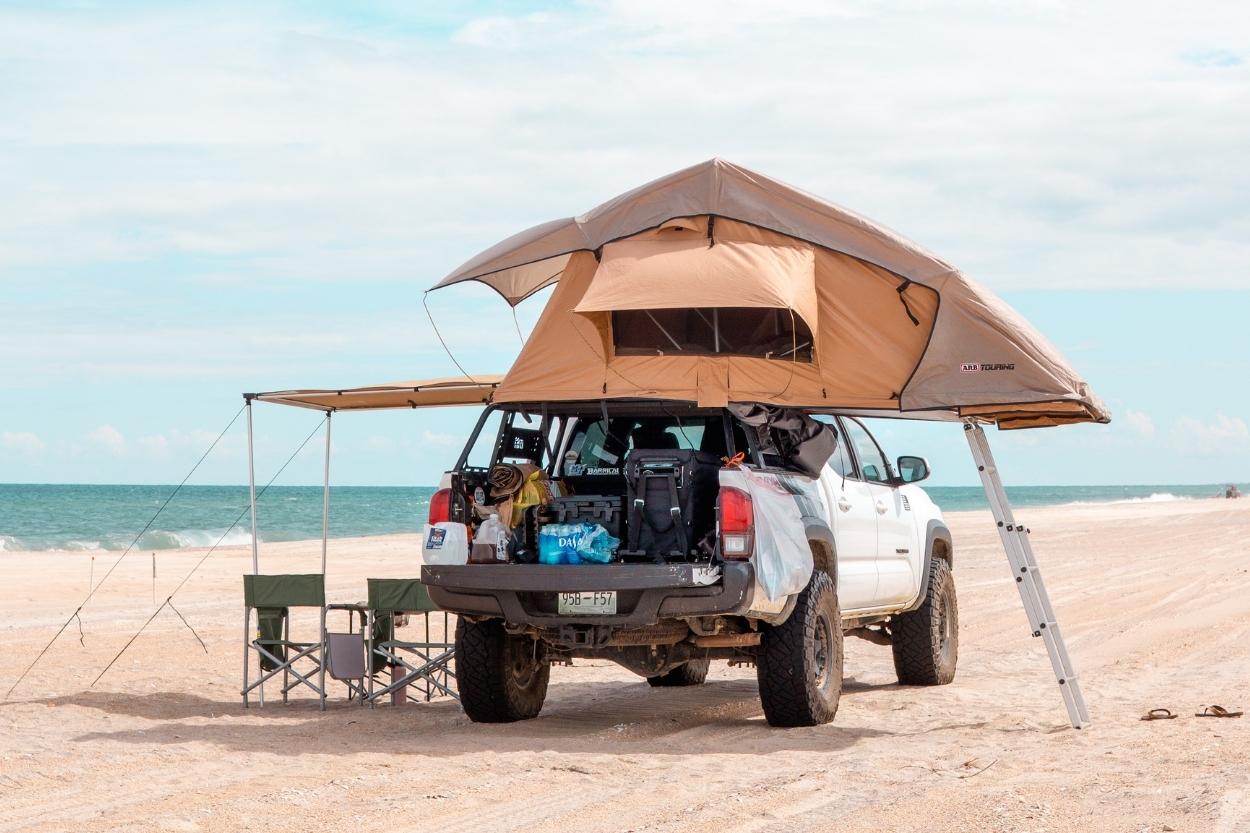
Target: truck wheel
499,676
926,640
799,664
690,673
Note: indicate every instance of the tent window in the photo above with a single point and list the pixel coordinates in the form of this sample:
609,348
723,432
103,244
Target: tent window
731,331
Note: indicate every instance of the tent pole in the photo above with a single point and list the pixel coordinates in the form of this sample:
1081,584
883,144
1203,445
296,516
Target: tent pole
251,487
325,499
1028,576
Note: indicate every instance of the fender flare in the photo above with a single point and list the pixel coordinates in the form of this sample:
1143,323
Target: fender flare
935,531
818,532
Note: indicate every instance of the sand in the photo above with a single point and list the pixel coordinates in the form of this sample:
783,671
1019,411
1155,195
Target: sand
1153,598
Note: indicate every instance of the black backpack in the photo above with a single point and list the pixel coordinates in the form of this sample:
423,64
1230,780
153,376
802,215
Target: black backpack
671,501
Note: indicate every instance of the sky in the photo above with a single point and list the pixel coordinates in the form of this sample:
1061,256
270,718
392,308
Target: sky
201,200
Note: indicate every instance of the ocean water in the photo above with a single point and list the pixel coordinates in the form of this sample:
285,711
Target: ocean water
57,517
78,518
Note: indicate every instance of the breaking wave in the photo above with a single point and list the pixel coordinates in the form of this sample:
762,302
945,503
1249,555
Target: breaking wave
1154,497
153,539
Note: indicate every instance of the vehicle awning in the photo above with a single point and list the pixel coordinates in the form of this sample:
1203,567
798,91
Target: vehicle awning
427,393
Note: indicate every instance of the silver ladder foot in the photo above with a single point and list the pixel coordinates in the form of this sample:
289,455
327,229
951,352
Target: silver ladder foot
1028,577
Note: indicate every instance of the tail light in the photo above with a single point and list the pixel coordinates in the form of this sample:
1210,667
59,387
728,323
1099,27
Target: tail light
737,524
440,506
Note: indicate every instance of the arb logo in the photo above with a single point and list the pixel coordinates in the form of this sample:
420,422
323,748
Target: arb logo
977,367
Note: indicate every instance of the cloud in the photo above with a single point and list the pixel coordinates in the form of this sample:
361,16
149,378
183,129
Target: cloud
156,444
25,442
440,439
1035,145
377,442
1222,436
109,438
1139,424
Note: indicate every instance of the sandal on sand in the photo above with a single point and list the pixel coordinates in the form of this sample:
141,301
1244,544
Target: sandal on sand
1159,714
1217,711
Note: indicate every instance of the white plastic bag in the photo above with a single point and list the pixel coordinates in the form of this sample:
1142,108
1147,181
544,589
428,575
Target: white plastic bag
782,556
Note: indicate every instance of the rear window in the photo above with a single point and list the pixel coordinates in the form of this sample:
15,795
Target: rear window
731,331
599,448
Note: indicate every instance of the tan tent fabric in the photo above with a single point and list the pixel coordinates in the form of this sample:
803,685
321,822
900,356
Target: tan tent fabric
418,394
639,274
895,328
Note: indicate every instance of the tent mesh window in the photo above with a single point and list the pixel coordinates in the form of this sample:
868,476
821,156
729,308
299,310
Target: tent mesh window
729,331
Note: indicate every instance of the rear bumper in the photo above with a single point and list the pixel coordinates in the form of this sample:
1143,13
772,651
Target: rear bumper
525,594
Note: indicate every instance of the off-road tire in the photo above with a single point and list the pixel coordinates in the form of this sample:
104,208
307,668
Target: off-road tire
799,664
499,676
926,640
693,672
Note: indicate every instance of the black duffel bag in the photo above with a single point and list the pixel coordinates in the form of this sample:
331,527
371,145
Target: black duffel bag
671,501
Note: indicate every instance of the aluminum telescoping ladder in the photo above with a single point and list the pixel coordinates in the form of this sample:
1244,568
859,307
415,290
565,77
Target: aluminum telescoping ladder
1028,577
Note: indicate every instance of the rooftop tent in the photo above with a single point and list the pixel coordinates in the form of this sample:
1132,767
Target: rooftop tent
718,284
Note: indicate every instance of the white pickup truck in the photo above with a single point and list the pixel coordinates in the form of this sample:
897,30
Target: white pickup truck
859,549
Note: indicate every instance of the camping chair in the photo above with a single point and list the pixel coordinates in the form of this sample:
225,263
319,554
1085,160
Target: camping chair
345,652
272,597
427,663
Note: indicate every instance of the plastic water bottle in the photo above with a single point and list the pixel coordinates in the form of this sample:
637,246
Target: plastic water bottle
490,545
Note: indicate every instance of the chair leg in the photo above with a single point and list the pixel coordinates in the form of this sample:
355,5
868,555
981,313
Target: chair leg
286,636
247,660
369,657
321,671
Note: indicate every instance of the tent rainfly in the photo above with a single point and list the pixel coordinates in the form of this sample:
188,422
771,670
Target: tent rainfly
717,284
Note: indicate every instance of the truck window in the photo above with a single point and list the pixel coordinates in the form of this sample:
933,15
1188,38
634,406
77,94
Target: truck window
599,449
871,460
841,462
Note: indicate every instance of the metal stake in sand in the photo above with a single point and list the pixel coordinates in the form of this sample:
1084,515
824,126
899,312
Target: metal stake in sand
153,578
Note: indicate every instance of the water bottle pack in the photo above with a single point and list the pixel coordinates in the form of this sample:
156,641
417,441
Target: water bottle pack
581,543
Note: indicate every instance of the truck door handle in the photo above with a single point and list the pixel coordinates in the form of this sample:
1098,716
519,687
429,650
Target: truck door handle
881,508
844,504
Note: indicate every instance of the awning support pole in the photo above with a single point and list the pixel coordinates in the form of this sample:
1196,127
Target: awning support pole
325,500
251,487
1028,577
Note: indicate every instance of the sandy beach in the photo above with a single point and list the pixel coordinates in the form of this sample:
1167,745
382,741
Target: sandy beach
1152,596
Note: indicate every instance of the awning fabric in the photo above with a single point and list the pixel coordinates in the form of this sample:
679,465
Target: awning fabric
894,328
429,393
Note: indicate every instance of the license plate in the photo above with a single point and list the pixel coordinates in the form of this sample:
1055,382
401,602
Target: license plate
598,602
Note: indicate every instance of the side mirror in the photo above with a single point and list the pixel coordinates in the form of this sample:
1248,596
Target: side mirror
912,469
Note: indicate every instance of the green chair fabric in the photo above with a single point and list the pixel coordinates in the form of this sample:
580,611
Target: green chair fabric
399,595
383,632
270,622
292,590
